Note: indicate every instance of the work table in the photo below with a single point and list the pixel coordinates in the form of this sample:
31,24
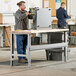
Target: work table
31,48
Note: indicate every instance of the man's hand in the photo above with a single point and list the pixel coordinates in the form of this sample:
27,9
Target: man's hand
27,13
70,15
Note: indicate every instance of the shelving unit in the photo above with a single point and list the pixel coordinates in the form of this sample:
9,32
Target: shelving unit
72,38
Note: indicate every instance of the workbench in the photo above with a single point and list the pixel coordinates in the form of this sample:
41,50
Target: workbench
31,48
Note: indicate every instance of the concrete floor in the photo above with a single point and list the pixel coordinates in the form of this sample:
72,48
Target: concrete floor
40,67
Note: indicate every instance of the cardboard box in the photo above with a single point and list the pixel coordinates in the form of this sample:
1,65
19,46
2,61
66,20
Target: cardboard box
73,33
1,18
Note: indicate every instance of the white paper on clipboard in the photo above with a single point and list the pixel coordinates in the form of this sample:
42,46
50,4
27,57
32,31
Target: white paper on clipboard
46,4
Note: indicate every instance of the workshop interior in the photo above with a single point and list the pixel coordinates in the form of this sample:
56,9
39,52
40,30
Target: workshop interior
37,34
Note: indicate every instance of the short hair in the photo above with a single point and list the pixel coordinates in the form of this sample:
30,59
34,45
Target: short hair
20,3
62,3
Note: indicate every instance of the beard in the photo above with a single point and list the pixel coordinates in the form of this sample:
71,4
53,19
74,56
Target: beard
23,9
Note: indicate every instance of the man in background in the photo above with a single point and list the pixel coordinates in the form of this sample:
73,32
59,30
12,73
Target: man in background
62,15
21,23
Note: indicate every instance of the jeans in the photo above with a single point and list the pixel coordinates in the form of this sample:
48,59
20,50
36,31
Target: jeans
21,41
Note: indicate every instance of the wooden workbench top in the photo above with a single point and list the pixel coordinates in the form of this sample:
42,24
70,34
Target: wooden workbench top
39,31
4,24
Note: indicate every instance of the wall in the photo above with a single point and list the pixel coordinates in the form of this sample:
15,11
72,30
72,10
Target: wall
7,9
71,4
10,5
71,8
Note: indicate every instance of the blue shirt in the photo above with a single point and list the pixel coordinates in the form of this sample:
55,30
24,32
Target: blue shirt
62,15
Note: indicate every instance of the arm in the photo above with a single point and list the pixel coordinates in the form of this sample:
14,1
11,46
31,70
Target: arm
66,15
20,16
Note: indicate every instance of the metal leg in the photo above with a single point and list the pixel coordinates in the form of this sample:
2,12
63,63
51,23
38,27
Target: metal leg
12,49
41,38
65,48
63,40
49,41
28,51
69,34
49,38
69,30
3,35
47,56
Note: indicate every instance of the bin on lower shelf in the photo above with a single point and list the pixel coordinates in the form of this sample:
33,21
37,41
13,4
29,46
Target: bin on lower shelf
55,54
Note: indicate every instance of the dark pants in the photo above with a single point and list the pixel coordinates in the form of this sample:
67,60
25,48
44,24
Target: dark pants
21,41
62,24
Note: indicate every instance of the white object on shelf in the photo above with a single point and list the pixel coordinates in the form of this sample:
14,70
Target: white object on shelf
71,23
